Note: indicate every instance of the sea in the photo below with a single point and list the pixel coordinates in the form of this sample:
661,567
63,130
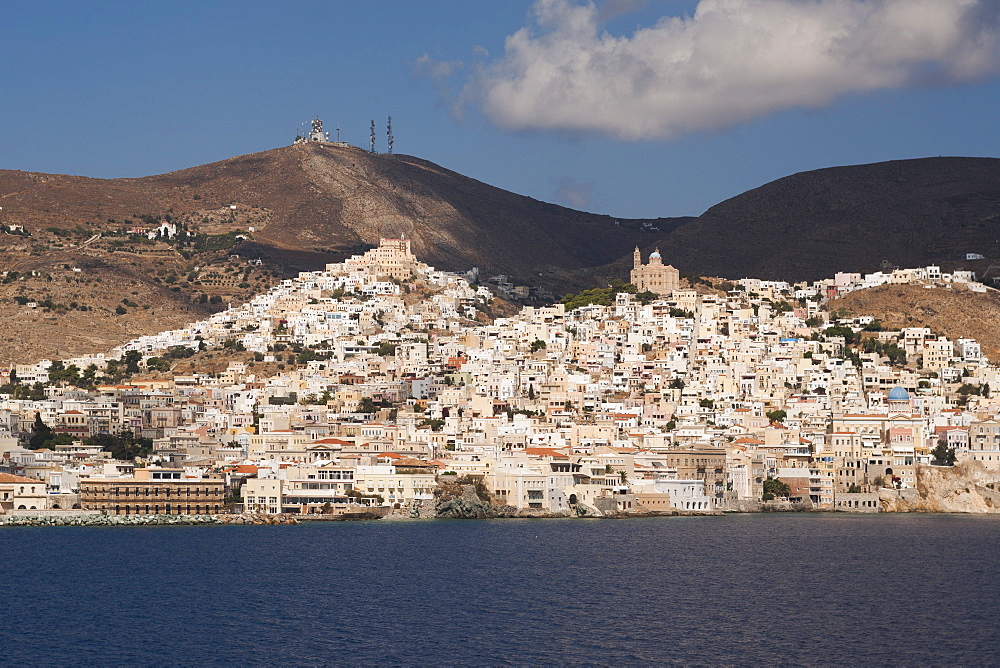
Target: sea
791,589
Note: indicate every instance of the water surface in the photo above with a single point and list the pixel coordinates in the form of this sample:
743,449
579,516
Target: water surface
790,588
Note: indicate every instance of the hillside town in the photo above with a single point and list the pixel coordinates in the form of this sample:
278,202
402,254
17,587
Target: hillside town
382,385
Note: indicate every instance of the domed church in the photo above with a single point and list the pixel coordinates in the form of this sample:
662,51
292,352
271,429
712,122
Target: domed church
899,400
655,276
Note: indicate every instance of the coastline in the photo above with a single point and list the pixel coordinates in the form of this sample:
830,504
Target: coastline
97,520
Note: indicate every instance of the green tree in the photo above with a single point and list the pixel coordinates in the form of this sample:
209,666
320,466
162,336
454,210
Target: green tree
124,445
645,297
131,360
777,415
943,455
40,433
775,488
366,406
157,364
537,345
435,424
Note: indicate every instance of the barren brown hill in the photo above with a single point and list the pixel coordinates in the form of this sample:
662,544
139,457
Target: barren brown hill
955,312
322,200
331,199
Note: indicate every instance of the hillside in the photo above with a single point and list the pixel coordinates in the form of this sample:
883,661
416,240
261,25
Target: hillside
813,224
258,218
953,311
320,201
290,209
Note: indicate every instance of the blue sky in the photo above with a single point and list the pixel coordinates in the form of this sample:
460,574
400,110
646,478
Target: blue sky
111,89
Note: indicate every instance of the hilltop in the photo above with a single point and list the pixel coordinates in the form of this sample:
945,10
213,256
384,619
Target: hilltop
321,201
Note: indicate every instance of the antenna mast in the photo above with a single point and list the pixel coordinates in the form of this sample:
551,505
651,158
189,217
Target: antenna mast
372,149
388,132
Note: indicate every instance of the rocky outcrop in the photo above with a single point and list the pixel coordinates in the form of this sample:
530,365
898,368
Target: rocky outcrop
968,487
469,504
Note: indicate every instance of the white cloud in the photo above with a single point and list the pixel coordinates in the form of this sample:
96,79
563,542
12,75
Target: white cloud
732,61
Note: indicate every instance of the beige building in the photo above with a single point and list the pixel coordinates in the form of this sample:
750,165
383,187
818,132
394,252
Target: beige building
153,491
20,493
655,276
396,488
300,489
392,258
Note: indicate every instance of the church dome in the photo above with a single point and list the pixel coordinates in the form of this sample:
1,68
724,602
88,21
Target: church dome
655,253
898,394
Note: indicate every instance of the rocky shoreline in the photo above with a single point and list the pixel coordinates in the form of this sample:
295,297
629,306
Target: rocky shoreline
97,520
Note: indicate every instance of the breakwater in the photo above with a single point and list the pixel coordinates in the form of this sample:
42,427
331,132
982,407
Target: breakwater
98,520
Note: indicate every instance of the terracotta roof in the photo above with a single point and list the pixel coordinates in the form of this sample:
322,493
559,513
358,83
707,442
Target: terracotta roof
9,477
545,452
330,441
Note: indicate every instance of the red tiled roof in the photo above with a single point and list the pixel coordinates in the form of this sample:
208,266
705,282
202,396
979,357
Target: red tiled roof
9,477
545,452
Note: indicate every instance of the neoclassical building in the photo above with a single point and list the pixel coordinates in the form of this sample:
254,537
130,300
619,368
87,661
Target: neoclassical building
655,276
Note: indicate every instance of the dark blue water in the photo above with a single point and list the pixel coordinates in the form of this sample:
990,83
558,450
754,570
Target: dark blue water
802,589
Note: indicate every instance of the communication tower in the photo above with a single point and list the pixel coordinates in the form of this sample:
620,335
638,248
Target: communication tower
388,132
317,133
372,149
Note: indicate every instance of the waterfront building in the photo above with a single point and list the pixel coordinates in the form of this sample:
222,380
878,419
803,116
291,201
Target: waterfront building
154,491
21,493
